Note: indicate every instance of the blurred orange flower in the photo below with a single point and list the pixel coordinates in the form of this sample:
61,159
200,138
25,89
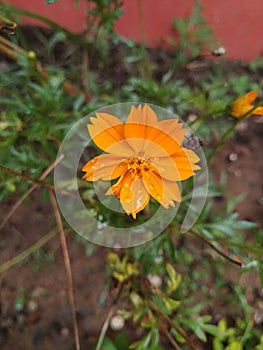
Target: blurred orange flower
242,105
146,156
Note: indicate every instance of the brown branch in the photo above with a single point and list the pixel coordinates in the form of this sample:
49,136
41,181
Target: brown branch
37,182
28,178
173,325
68,268
238,262
169,337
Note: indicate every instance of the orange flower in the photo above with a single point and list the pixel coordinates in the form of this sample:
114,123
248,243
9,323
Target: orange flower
144,154
242,105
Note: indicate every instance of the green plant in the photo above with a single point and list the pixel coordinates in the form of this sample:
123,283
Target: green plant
194,35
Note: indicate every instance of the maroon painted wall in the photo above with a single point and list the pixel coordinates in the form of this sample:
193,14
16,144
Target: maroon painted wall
238,24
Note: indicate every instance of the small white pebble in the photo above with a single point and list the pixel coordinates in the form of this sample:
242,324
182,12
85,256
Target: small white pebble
155,280
64,332
233,157
117,322
192,117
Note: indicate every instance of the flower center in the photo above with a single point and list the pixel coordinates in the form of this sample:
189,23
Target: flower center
138,165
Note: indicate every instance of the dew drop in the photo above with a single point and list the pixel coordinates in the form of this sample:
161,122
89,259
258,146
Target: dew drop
151,187
158,197
161,169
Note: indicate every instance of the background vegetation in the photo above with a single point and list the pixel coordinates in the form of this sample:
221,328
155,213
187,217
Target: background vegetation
49,80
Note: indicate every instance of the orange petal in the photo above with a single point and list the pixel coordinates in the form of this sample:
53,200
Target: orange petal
164,191
105,130
105,167
136,136
142,115
242,105
250,96
150,140
173,128
132,194
177,167
186,165
163,142
125,182
258,110
139,199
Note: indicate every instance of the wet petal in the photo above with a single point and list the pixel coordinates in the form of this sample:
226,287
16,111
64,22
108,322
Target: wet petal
104,167
164,191
132,194
139,199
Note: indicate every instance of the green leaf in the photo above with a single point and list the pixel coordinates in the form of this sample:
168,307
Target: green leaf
171,304
107,344
174,279
136,300
200,334
141,344
214,330
122,341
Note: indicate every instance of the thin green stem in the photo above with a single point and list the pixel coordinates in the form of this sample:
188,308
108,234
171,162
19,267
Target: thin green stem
25,254
146,61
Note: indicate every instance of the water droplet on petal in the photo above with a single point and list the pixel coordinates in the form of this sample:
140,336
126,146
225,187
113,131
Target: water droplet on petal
158,197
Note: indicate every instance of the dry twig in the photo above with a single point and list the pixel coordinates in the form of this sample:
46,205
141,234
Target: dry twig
68,268
169,337
219,251
109,316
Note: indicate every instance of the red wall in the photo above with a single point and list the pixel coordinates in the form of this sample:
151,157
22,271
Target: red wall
238,24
